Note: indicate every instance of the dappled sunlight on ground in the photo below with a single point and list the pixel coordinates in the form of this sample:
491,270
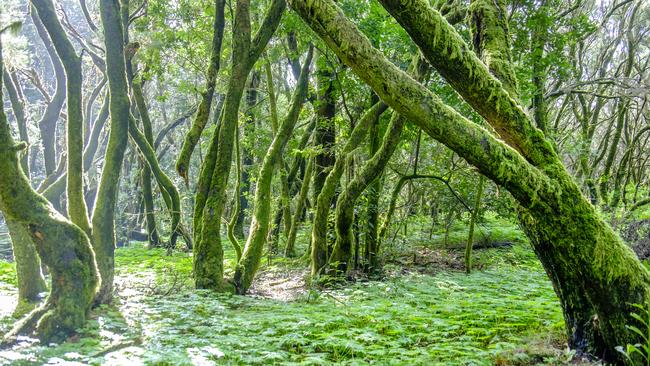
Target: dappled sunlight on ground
427,317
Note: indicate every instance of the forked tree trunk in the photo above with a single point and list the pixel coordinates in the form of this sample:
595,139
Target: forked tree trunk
62,246
260,224
203,112
211,192
75,141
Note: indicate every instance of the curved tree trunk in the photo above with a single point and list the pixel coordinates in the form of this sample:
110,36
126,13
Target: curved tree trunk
324,198
47,124
63,247
150,217
373,168
595,275
19,113
28,266
300,202
211,193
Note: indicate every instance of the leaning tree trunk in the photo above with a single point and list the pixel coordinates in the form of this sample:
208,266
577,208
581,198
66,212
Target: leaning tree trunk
62,246
324,197
259,229
373,168
596,276
147,192
103,220
19,114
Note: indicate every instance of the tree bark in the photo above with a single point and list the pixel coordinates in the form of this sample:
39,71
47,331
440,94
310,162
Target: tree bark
63,247
75,136
259,229
203,112
47,123
103,220
566,232
211,193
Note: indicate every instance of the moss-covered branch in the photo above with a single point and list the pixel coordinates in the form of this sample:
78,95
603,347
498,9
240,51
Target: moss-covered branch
200,120
564,227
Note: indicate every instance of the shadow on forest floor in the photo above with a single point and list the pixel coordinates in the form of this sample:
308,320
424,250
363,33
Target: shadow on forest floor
425,312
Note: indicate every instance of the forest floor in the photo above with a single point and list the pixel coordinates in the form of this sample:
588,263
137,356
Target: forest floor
426,311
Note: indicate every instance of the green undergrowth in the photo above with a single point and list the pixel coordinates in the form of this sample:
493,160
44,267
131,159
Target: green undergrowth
506,314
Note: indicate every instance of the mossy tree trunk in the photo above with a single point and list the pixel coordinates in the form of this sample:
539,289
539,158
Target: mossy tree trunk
324,198
596,276
28,265
211,193
247,159
372,169
260,224
75,126
325,131
371,241
147,191
289,250
203,112
63,247
472,223
103,220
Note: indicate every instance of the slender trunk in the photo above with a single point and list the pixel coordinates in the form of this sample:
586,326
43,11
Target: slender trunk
247,154
75,141
48,122
325,131
19,113
297,214
150,217
259,229
372,207
472,223
103,219
203,112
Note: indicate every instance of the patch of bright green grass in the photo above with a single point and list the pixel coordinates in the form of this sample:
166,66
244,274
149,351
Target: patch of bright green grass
7,273
446,319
